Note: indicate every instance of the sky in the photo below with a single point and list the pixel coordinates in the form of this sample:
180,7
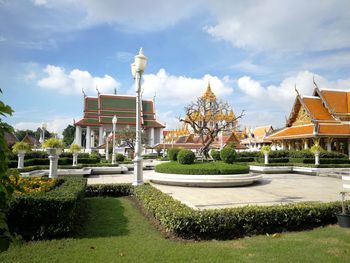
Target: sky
253,53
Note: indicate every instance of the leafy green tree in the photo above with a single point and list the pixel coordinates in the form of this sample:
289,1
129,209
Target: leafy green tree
68,134
6,186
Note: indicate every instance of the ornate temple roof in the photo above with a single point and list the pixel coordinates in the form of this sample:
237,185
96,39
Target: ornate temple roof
326,113
101,109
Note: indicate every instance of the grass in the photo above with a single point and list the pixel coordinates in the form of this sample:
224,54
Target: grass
115,231
211,168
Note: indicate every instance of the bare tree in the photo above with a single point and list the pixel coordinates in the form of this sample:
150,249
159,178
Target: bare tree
208,117
127,138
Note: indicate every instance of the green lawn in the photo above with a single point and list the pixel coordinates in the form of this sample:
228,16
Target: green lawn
115,231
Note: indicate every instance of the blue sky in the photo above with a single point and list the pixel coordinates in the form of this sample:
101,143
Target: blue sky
252,52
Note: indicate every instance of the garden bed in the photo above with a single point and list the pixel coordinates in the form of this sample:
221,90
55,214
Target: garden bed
43,215
202,168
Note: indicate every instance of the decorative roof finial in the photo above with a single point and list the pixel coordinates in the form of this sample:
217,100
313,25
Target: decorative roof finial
115,91
313,79
295,88
98,92
82,90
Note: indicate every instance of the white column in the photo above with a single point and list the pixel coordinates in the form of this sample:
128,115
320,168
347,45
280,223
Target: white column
92,138
88,138
77,138
306,146
329,146
151,137
20,155
161,135
100,135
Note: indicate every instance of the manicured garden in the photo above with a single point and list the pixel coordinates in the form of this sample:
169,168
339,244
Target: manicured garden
114,230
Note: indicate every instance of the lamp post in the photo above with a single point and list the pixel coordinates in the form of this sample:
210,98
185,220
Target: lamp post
43,128
114,122
107,149
137,68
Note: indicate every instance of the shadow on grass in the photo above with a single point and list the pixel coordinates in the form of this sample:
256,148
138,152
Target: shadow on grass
104,217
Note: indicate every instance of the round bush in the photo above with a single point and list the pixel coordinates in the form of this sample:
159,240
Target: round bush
228,155
172,153
119,157
215,155
186,157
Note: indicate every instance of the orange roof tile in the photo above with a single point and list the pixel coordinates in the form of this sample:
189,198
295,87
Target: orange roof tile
317,109
337,100
329,129
294,131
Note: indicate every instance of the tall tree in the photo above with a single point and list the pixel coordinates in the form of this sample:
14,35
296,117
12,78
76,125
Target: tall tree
207,117
69,134
127,138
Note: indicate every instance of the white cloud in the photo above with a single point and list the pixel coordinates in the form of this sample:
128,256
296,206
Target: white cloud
40,2
178,90
76,80
56,125
283,25
279,98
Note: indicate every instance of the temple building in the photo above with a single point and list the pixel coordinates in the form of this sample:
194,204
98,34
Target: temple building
183,137
323,118
96,124
254,139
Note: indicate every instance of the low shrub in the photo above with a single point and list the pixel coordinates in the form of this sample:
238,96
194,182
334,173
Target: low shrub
172,153
228,154
215,155
322,160
245,159
50,214
113,190
335,155
279,154
210,168
272,160
186,157
119,157
301,154
231,223
247,154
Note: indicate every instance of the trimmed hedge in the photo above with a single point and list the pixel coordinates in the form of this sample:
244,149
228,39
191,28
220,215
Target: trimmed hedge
172,153
113,190
248,154
322,160
244,159
61,161
186,157
47,215
233,222
272,160
210,168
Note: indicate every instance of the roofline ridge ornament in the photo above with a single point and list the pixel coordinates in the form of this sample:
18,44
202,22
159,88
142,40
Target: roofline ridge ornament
98,92
296,90
84,94
313,80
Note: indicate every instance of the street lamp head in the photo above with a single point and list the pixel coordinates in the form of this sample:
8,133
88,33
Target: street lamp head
140,61
44,126
114,120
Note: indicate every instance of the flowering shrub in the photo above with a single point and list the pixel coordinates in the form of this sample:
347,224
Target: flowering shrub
33,184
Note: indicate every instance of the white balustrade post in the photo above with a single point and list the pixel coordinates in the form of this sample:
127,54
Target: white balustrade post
88,138
20,155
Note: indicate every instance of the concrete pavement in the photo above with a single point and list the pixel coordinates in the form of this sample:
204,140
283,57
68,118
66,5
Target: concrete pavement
272,189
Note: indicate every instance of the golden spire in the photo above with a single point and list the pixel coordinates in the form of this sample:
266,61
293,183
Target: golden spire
208,94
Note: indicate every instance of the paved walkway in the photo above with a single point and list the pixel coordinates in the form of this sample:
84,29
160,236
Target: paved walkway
272,189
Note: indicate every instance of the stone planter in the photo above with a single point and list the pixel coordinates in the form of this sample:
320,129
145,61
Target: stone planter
21,155
317,158
53,156
75,159
266,158
343,220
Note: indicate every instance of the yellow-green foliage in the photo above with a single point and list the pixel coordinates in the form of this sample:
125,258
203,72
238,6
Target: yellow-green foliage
21,146
75,148
266,149
53,143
